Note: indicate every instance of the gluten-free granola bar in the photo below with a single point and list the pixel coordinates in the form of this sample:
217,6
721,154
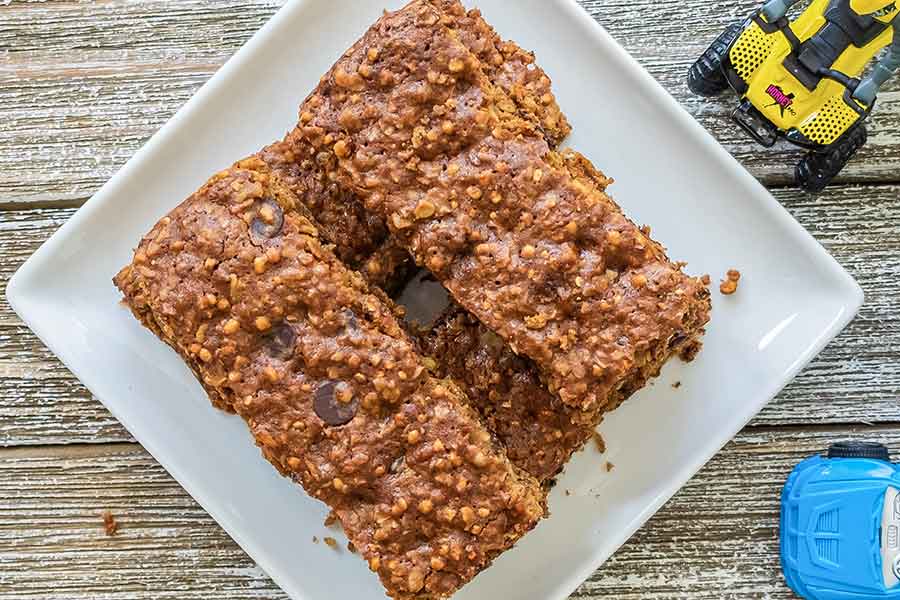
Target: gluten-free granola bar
509,67
523,237
361,238
237,280
463,125
539,431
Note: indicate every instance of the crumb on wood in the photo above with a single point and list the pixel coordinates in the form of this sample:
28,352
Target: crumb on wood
676,385
730,283
330,542
110,525
599,442
609,467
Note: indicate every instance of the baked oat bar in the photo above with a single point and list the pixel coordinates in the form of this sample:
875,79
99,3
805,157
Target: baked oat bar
523,237
361,238
539,431
238,281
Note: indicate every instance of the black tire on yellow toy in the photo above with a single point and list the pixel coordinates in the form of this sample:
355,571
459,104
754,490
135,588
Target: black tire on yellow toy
816,170
705,77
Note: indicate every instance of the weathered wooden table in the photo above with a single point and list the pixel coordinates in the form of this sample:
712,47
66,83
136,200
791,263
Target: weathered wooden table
84,83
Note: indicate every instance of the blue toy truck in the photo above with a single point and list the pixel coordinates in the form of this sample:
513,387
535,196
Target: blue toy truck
840,525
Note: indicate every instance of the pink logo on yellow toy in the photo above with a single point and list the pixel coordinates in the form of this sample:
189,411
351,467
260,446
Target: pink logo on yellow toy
782,100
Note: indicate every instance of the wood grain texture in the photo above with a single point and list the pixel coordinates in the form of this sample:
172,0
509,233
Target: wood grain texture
716,539
42,402
84,84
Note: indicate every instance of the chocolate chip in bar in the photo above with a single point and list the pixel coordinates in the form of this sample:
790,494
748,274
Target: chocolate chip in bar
351,323
334,404
268,223
281,341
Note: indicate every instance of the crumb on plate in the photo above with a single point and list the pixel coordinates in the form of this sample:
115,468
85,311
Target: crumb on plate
730,283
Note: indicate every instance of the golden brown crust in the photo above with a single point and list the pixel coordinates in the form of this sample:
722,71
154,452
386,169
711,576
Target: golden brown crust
238,281
342,219
523,237
539,431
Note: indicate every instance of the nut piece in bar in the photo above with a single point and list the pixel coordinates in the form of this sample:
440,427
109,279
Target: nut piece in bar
237,281
539,253
341,217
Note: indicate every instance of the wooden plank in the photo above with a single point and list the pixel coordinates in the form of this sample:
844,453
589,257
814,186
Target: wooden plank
42,400
716,539
84,84
856,379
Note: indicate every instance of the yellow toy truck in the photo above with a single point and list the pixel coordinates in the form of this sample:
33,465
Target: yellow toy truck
801,80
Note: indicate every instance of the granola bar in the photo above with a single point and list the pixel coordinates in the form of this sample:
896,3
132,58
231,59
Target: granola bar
539,431
538,252
237,280
361,238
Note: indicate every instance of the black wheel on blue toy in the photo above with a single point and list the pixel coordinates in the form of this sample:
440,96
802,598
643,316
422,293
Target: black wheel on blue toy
859,450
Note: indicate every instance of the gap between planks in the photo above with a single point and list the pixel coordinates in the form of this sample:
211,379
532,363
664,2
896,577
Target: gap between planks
67,451
102,449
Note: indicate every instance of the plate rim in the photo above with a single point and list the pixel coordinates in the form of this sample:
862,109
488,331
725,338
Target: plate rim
20,290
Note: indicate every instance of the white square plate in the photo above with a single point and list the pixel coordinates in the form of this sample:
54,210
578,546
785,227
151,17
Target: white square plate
670,173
